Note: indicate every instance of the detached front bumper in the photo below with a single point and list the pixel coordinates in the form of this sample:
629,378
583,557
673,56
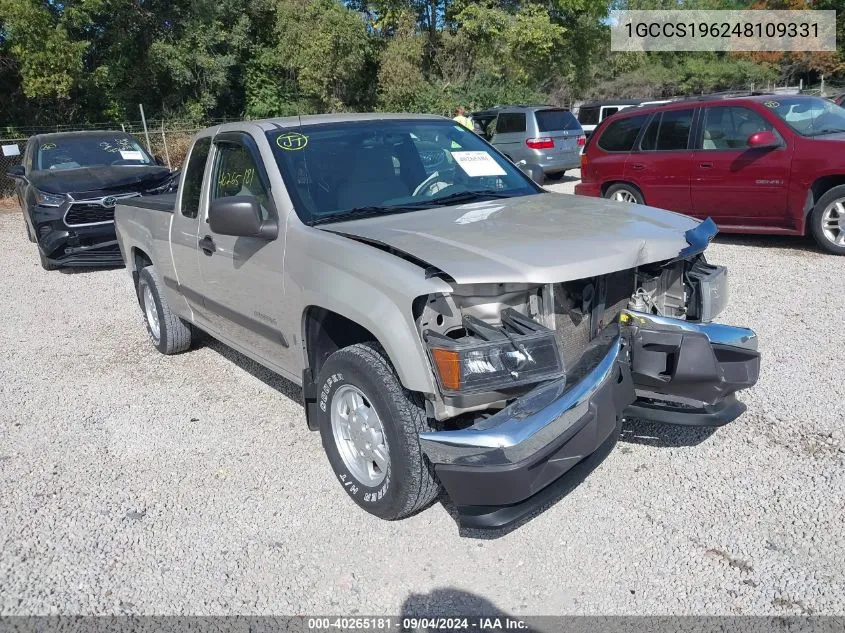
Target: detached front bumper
504,467
64,245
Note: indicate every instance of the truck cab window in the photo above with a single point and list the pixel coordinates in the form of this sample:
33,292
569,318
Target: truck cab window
192,186
236,174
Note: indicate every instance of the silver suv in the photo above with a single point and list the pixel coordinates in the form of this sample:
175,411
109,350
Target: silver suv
543,140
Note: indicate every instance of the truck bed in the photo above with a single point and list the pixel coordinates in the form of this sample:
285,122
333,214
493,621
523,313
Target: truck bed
157,202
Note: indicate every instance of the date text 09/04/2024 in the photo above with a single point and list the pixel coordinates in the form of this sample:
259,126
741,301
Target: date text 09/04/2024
413,623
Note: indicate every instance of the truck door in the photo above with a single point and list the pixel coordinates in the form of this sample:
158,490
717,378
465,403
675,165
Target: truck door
184,228
243,290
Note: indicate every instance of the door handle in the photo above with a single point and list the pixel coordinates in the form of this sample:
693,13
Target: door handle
637,166
207,245
705,165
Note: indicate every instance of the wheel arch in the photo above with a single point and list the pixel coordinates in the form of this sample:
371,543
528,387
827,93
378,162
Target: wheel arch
820,186
607,185
325,331
139,260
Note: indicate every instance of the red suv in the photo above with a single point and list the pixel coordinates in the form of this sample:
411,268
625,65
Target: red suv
755,164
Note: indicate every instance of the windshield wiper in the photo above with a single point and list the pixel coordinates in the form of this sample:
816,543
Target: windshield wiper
360,213
465,196
829,130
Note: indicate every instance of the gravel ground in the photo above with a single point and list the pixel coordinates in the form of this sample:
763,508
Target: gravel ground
134,482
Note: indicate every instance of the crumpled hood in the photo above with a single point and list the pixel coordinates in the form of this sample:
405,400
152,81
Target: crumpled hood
88,182
544,238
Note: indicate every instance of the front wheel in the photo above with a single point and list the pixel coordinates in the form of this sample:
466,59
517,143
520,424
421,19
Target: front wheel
370,426
624,193
827,221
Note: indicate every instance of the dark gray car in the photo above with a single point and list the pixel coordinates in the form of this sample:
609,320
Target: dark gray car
543,140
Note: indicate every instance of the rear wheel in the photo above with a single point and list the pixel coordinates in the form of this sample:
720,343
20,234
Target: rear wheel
624,193
556,176
827,221
370,427
168,332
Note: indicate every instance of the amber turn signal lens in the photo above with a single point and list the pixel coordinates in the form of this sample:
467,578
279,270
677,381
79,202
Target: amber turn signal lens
584,161
448,368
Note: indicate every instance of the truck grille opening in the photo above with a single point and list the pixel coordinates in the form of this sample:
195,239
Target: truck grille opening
88,214
582,309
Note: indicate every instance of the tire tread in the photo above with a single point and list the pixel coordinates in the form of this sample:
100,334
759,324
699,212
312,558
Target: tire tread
423,485
175,333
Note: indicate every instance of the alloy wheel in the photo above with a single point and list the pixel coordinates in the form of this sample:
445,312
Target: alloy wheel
624,196
151,313
833,222
359,436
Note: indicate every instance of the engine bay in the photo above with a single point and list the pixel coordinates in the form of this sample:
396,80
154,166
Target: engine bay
488,342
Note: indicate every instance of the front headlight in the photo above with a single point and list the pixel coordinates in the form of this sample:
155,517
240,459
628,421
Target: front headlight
49,199
490,358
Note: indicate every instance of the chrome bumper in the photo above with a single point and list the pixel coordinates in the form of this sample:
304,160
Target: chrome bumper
646,366
533,421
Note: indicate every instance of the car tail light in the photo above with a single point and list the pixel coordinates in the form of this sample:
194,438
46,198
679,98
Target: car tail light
540,143
584,161
582,141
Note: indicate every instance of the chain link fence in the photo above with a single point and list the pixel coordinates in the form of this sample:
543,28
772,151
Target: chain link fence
7,185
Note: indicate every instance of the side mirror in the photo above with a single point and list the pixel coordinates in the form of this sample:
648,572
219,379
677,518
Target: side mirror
159,160
241,216
16,171
763,140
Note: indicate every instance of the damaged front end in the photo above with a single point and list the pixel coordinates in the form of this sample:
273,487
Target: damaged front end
77,229
535,380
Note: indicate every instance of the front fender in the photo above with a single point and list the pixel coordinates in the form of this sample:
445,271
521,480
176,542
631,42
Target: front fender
373,288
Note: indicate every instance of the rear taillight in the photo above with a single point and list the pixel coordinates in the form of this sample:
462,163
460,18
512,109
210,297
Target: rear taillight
584,161
540,143
582,141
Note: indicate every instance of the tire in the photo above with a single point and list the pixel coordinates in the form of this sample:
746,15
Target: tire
46,264
624,193
555,176
406,483
173,335
827,221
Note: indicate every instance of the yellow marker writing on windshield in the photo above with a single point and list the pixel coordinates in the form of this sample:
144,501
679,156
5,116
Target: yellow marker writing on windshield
292,141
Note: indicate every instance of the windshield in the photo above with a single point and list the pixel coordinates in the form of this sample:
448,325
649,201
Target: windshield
809,116
341,171
73,152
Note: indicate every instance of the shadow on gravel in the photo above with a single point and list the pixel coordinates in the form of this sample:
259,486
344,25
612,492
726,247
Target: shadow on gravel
81,270
664,435
561,180
267,376
448,602
801,243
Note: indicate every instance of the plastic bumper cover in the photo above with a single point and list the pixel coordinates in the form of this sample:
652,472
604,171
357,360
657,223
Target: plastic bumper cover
79,246
588,189
493,467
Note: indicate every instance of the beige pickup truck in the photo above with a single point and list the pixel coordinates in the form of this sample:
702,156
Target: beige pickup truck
452,325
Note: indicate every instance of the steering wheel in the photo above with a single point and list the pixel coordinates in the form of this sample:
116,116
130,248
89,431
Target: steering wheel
123,161
430,186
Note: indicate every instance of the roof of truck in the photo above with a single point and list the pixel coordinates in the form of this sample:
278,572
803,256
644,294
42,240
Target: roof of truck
315,119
